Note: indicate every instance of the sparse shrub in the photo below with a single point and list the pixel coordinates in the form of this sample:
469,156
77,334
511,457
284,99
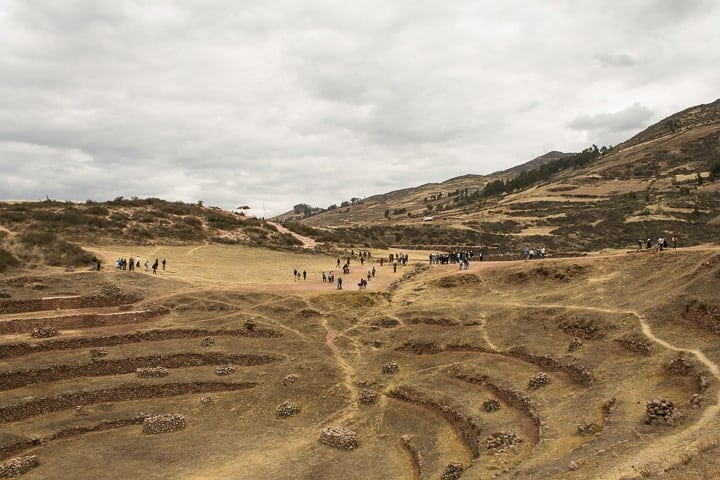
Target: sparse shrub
7,260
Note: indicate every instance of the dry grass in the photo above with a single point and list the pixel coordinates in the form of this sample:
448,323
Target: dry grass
491,330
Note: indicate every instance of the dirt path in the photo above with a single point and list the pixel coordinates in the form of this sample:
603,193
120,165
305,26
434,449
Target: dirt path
306,241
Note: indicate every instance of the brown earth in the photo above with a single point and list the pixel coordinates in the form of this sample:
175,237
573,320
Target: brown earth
459,338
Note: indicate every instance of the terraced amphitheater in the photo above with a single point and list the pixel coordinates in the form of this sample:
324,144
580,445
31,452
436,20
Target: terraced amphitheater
226,366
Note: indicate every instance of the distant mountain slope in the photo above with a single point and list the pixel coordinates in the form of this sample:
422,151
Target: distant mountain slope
660,182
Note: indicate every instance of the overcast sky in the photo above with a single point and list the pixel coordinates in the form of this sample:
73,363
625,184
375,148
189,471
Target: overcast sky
270,104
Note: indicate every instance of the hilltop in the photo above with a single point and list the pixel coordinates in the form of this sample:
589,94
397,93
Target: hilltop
660,182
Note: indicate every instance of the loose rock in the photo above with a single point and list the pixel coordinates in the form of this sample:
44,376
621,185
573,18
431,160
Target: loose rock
539,380
288,409
44,332
502,439
390,368
659,411
452,471
208,342
288,379
491,405
163,423
17,466
575,344
224,370
368,397
339,437
148,372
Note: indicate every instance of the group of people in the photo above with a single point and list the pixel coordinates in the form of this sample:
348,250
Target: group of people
131,264
660,245
456,256
530,253
300,275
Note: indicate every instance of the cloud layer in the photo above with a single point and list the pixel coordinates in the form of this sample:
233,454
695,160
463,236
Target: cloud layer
276,103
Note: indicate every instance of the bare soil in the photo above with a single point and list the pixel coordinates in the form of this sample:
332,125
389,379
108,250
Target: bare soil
459,339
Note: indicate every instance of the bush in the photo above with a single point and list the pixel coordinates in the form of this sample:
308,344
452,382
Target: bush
7,260
63,253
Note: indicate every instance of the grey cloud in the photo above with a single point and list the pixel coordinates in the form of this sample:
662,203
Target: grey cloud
317,101
615,60
603,127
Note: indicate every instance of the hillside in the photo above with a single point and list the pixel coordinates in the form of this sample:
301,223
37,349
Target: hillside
658,183
49,232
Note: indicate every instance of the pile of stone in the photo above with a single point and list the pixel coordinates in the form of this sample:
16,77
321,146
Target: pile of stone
224,370
585,428
659,411
680,366
390,368
575,344
635,343
17,466
4,294
208,342
452,471
170,422
288,409
499,440
368,397
44,332
610,406
206,400
149,372
491,405
288,379
98,352
339,437
539,380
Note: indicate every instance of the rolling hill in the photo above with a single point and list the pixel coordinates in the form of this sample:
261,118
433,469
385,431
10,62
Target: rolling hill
660,182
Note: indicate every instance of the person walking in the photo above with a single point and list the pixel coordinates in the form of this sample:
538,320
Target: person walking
155,266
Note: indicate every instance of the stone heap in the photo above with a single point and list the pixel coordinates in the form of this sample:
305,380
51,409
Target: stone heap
206,400
635,343
339,437
368,397
575,344
44,332
452,471
610,406
390,368
680,366
98,352
288,379
208,342
659,411
288,409
585,428
491,405
539,380
499,440
17,466
149,372
224,370
4,294
163,423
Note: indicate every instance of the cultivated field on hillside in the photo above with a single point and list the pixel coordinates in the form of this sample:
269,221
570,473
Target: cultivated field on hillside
224,365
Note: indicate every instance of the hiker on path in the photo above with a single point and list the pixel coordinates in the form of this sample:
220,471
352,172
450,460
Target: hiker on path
163,264
155,266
